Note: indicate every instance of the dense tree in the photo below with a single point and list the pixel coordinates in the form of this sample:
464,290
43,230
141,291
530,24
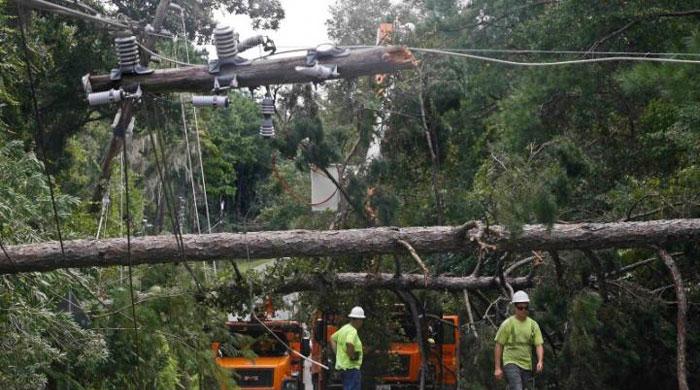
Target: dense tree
460,140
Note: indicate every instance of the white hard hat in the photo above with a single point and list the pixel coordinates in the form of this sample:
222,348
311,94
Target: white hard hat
357,312
520,297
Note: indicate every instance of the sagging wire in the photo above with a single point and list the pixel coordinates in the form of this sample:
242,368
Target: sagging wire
167,192
154,54
7,255
255,317
59,9
62,10
189,153
125,168
82,5
40,147
39,133
196,131
556,63
580,52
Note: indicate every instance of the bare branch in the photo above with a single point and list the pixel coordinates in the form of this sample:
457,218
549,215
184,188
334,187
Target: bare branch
469,313
680,319
417,258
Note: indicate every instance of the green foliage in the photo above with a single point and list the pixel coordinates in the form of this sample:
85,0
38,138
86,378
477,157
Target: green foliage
601,142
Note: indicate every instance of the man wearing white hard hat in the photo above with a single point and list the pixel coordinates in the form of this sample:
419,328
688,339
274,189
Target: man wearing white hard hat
514,341
348,350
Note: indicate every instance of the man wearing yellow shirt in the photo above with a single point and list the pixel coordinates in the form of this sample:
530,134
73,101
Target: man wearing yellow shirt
514,341
348,350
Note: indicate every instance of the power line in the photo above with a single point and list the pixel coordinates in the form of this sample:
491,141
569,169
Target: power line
556,63
154,54
579,52
39,133
125,167
4,251
189,154
196,132
59,9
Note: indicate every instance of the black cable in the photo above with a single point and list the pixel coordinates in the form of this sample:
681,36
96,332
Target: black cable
169,200
39,133
39,139
7,255
125,168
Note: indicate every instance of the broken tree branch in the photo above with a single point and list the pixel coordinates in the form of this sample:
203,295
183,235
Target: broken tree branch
472,327
417,258
369,281
371,241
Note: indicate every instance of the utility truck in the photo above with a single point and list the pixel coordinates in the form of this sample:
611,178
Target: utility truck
273,366
442,341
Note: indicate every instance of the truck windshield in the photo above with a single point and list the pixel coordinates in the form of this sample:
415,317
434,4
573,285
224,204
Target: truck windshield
260,342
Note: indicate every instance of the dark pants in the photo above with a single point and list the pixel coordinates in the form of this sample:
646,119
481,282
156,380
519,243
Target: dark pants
352,379
517,378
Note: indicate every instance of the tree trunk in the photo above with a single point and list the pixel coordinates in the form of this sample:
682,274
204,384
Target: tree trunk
372,241
278,70
681,317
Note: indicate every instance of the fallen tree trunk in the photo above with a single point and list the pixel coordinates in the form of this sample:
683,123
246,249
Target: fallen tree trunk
277,70
391,281
383,240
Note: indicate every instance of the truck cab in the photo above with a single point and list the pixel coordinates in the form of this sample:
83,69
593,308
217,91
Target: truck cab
267,364
442,335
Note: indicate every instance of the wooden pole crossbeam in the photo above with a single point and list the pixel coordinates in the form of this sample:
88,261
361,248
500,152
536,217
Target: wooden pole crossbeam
264,71
372,241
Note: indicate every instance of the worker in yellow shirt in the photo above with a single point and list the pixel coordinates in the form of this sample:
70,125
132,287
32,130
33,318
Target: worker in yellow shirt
348,350
514,341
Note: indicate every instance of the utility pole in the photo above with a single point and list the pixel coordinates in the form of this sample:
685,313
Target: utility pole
262,72
126,114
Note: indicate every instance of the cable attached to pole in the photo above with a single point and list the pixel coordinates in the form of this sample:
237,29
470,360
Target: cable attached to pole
167,192
125,168
39,132
196,131
252,307
7,255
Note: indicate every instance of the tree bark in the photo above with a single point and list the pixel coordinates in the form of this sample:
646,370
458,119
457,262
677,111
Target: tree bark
278,70
372,241
369,281
680,319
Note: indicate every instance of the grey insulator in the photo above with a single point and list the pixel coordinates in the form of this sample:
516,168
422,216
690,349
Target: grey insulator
210,101
226,41
127,51
267,105
267,129
106,97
